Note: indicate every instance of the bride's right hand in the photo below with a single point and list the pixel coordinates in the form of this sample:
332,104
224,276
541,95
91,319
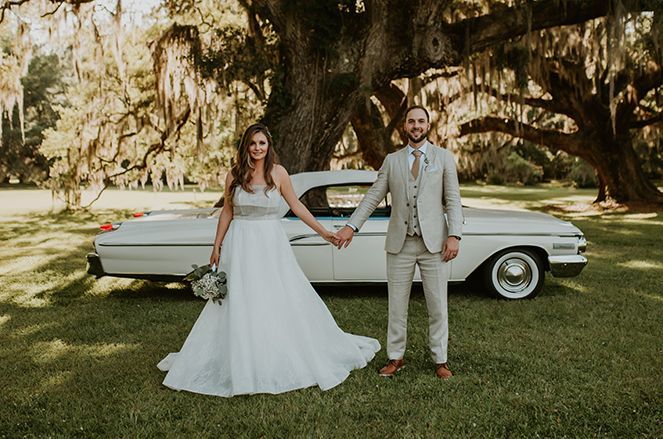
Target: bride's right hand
214,258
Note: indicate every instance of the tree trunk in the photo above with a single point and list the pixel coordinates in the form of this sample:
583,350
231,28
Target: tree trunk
374,138
619,171
307,128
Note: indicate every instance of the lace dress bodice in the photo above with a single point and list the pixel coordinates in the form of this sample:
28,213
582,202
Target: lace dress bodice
257,205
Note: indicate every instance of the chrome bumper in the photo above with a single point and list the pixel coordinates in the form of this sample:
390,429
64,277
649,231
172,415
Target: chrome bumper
94,265
567,266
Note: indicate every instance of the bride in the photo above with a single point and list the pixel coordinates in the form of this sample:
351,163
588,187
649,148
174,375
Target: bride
272,333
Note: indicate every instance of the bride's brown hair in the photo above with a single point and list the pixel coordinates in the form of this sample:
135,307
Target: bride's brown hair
242,168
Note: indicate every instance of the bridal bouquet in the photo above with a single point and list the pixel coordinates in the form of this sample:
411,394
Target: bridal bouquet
208,282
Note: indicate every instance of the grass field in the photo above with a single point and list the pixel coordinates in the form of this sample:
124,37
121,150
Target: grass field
584,359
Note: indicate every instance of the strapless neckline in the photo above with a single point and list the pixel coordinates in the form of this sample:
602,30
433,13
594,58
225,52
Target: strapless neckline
254,186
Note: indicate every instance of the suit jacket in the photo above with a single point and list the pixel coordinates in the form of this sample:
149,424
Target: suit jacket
439,192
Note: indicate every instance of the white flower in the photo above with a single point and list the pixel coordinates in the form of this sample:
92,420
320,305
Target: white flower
212,285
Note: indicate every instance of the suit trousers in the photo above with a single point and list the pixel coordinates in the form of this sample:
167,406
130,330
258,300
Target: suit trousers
435,276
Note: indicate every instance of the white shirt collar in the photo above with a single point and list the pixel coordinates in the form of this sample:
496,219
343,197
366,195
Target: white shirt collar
423,148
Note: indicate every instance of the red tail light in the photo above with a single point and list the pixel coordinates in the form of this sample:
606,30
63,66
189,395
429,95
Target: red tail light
106,227
138,214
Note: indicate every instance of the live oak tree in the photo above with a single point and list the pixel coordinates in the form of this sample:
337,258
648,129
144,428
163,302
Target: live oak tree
333,55
315,65
598,113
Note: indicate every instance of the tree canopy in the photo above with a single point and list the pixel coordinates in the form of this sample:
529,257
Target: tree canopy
167,97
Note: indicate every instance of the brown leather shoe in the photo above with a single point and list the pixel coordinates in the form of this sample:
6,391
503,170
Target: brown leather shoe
391,368
442,371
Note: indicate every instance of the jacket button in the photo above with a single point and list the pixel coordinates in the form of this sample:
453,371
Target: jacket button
405,222
407,204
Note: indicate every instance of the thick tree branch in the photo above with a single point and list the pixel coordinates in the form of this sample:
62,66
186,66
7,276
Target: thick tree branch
395,102
373,138
647,79
8,5
545,104
553,139
478,33
641,123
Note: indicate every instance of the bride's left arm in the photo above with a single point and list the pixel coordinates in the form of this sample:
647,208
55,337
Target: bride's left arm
297,207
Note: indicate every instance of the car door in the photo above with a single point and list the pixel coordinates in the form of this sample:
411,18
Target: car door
364,260
313,253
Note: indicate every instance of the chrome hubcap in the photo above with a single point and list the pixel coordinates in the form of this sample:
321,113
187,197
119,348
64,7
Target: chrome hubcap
514,275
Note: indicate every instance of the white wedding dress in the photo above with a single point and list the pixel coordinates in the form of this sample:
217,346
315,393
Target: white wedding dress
272,333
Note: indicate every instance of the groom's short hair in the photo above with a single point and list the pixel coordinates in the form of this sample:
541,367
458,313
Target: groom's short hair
414,107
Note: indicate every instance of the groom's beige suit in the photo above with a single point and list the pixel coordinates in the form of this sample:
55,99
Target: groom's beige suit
416,235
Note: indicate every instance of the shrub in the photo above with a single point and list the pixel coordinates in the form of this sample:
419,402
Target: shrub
514,169
582,174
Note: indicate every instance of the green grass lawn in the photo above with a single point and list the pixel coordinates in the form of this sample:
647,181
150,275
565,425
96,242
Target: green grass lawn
584,359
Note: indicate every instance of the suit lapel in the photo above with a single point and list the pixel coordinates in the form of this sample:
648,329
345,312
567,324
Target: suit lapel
405,171
430,156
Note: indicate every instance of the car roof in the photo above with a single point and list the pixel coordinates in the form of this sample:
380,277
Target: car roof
305,181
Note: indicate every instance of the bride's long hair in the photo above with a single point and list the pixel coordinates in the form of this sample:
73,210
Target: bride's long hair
242,168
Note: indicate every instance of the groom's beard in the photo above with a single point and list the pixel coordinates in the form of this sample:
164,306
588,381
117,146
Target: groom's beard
417,139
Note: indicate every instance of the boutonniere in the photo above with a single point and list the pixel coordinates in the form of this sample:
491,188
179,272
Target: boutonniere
426,163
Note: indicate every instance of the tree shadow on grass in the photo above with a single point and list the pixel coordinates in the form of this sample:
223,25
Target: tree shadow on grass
143,289
462,290
349,291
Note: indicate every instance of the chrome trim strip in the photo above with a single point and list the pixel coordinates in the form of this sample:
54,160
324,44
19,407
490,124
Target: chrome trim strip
310,235
155,245
310,244
298,237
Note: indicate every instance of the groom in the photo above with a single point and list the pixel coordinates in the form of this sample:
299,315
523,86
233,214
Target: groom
423,184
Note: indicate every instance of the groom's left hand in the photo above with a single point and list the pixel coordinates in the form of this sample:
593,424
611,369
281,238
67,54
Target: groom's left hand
451,247
344,237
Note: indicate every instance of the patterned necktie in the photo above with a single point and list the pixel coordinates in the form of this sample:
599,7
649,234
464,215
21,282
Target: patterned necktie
415,165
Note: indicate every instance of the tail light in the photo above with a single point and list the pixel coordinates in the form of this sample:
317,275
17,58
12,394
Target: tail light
109,227
138,214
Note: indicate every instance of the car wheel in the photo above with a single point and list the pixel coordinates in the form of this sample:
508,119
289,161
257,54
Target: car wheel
514,274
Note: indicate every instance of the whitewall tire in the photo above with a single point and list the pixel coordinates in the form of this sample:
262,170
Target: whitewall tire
514,274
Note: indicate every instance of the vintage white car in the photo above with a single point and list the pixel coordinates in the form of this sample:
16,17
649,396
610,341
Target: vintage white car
508,250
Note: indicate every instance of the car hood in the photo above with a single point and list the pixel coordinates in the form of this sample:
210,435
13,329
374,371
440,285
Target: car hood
503,221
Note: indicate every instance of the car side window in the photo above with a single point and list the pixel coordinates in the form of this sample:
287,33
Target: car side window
340,201
316,202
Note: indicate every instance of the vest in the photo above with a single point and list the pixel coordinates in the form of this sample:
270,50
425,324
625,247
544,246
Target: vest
413,227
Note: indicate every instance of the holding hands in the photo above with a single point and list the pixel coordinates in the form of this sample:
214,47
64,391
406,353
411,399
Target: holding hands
344,237
330,237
